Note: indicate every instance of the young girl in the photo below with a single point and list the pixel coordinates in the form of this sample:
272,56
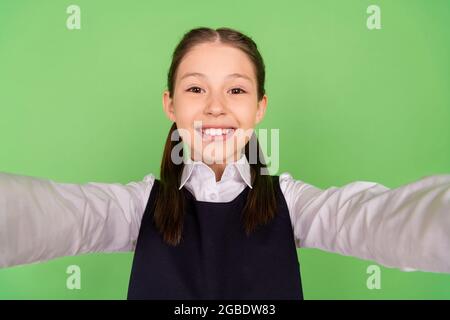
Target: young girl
215,225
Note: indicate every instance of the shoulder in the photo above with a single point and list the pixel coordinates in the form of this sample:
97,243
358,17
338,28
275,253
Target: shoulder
288,183
295,190
143,188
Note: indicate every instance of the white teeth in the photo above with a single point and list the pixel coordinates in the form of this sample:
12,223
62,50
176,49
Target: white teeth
216,131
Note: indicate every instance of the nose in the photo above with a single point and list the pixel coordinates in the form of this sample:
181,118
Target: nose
215,106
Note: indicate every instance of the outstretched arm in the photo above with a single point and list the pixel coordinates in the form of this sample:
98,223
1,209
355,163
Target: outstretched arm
42,219
407,227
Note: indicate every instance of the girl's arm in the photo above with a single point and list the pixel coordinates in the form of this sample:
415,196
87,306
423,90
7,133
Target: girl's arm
407,227
42,219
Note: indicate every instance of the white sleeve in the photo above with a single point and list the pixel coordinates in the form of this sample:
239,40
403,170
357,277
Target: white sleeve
41,219
407,227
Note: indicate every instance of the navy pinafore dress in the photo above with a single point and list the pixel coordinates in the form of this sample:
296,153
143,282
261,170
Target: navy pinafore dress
215,259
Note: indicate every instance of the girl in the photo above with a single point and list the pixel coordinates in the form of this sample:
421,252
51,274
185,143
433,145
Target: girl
215,226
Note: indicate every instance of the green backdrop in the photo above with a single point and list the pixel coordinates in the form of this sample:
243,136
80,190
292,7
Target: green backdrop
351,104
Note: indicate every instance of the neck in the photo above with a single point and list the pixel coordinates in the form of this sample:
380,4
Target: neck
218,170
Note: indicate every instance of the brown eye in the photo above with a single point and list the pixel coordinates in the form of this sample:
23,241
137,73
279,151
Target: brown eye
237,91
196,89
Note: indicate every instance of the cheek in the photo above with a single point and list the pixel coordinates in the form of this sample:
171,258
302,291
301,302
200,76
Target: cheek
245,114
185,115
184,118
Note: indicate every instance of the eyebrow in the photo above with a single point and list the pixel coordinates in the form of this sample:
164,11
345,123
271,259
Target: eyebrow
202,75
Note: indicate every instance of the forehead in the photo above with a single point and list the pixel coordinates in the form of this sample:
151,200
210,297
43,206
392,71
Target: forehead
216,60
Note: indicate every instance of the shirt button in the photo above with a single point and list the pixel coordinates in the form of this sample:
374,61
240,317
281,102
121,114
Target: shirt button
212,196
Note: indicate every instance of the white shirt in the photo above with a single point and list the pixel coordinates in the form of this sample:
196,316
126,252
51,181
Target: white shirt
407,227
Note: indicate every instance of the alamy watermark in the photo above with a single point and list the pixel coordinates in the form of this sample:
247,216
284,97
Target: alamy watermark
74,279
73,21
374,19
374,280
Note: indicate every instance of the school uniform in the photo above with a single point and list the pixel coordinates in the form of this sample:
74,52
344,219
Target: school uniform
407,227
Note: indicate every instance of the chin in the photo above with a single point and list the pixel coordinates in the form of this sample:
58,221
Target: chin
213,156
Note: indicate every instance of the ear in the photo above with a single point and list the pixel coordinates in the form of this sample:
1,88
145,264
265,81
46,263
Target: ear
168,105
261,111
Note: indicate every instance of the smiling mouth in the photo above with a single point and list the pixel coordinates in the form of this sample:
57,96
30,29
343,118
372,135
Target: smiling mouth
209,134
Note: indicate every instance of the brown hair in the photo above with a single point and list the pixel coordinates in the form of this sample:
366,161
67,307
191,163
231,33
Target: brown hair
260,205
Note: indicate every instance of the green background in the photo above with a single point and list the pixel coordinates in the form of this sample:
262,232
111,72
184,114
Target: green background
351,104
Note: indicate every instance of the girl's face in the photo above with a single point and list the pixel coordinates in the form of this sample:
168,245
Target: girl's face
215,87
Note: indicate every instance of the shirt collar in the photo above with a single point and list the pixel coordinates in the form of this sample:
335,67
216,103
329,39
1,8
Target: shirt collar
242,166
